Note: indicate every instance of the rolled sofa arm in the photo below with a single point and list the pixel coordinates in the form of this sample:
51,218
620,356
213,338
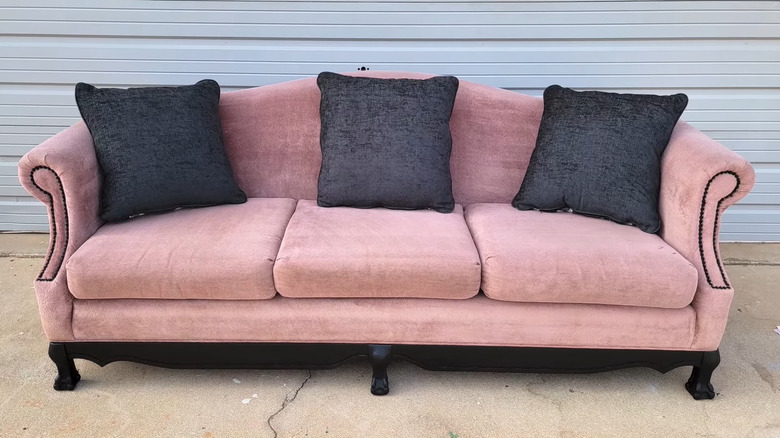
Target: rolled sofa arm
700,178
63,173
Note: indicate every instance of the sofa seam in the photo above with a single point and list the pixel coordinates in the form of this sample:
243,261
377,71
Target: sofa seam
281,241
714,229
52,219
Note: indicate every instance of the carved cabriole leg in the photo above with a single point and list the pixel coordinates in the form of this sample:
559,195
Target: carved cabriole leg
67,374
699,383
379,357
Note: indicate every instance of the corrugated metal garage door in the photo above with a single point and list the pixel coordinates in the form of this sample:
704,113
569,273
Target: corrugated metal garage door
724,55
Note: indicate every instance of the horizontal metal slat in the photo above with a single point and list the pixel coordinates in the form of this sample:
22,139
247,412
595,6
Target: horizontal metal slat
475,17
390,32
751,228
24,218
750,145
70,110
7,150
751,216
738,126
41,130
772,156
8,169
749,237
725,136
6,180
762,198
386,51
13,140
60,122
765,188
732,115
12,191
767,175
411,5
31,206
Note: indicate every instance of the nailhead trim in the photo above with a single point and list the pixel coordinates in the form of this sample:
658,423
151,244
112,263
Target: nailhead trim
53,223
714,230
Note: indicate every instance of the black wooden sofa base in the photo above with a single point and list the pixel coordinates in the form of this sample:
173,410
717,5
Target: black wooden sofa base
429,357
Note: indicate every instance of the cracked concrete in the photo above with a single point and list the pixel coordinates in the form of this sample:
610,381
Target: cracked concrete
289,398
125,399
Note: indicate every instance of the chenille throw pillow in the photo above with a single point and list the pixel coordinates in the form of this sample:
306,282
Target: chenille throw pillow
599,154
158,148
386,142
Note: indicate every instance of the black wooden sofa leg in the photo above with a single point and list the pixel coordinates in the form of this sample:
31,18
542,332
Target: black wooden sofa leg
699,383
67,374
379,357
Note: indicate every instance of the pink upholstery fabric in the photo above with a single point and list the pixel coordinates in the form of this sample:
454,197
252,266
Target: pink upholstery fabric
376,252
476,321
493,136
62,172
694,165
225,252
529,256
272,139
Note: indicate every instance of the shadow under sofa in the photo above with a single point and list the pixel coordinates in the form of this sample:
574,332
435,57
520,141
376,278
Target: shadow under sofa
280,282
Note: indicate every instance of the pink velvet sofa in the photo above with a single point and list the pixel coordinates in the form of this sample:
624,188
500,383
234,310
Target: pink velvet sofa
280,282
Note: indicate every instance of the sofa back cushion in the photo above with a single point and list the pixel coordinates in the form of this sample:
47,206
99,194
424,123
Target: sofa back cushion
272,138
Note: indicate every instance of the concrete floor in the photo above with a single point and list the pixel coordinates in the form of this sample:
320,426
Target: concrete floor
125,399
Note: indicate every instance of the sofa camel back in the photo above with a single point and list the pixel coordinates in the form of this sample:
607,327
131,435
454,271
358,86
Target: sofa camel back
272,137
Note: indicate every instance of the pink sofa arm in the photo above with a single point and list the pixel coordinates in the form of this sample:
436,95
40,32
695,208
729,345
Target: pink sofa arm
700,178
63,173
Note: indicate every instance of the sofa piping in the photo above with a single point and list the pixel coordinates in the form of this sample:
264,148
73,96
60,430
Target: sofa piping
714,229
53,244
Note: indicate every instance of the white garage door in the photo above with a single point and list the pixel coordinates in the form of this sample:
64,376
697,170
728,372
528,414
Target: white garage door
724,55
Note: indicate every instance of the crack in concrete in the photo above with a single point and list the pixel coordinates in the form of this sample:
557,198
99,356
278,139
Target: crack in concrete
286,402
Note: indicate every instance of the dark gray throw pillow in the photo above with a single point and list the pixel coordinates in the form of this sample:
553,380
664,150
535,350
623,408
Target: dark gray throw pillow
159,148
386,142
599,154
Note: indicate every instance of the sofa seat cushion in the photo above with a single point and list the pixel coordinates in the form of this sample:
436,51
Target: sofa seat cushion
342,252
535,257
224,253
